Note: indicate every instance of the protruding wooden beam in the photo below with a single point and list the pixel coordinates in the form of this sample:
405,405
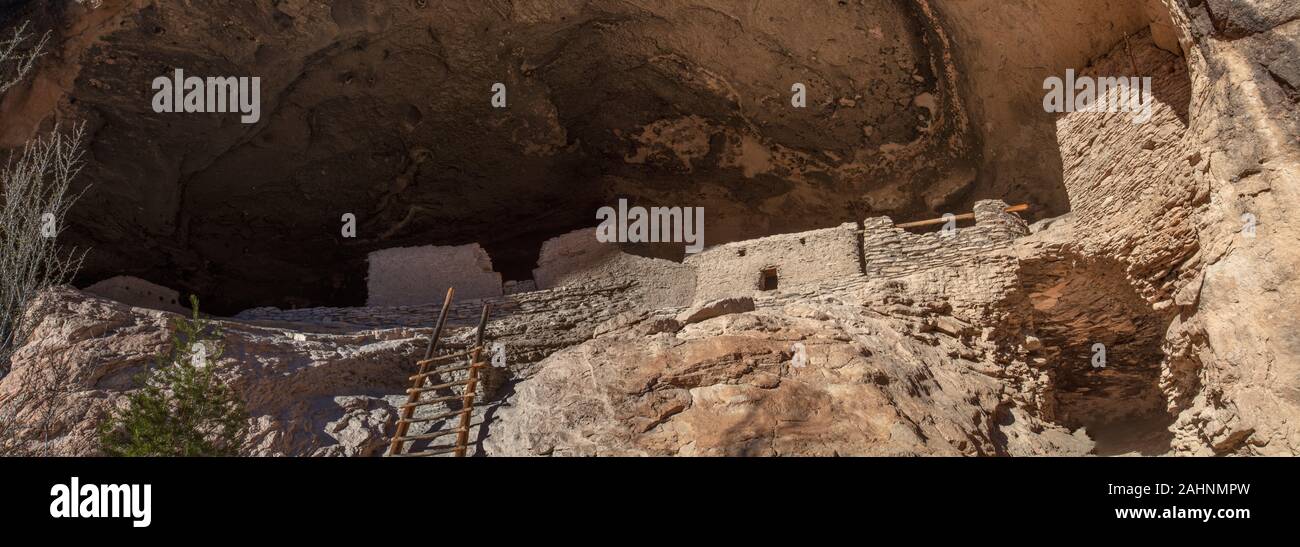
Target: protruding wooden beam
964,216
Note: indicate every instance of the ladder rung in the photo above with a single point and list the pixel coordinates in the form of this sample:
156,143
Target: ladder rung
447,357
445,370
435,418
442,433
436,400
465,359
439,386
426,453
428,436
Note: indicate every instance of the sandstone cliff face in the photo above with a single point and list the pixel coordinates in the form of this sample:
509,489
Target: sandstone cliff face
892,374
1239,340
1178,254
936,362
729,386
808,379
309,394
1192,211
316,382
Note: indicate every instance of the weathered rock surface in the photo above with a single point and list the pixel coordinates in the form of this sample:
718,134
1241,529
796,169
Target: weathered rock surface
308,394
1192,210
716,308
887,374
814,379
1177,258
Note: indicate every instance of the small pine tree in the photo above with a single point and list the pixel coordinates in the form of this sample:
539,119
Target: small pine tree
182,407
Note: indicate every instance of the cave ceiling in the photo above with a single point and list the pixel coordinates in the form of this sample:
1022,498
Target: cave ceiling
383,110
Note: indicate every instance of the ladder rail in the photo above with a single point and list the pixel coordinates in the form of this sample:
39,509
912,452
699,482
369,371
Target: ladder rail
430,367
467,408
407,410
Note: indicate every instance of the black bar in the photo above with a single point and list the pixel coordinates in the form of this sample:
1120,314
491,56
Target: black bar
244,495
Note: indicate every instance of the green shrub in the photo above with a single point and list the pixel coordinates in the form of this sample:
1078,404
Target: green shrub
182,407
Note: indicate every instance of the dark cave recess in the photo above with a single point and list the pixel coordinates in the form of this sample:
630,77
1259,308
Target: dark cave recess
382,110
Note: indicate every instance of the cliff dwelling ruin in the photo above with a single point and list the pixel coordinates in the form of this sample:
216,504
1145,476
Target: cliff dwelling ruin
1141,302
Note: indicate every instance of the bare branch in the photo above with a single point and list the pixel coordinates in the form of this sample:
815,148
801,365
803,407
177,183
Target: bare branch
15,60
34,202
31,418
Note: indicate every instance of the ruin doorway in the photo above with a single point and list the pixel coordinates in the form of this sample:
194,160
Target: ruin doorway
1102,350
768,279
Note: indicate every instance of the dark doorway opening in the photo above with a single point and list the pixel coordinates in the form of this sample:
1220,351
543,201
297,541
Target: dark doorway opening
768,279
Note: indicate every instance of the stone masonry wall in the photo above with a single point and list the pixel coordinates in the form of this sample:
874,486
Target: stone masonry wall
578,259
576,273
801,259
138,292
410,276
890,252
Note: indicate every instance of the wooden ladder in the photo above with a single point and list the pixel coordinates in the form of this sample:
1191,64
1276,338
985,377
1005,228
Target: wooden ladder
428,370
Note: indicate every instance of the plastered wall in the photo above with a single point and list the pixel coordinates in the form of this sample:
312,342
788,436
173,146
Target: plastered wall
409,276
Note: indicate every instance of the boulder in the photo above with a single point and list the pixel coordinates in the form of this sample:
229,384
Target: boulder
716,308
